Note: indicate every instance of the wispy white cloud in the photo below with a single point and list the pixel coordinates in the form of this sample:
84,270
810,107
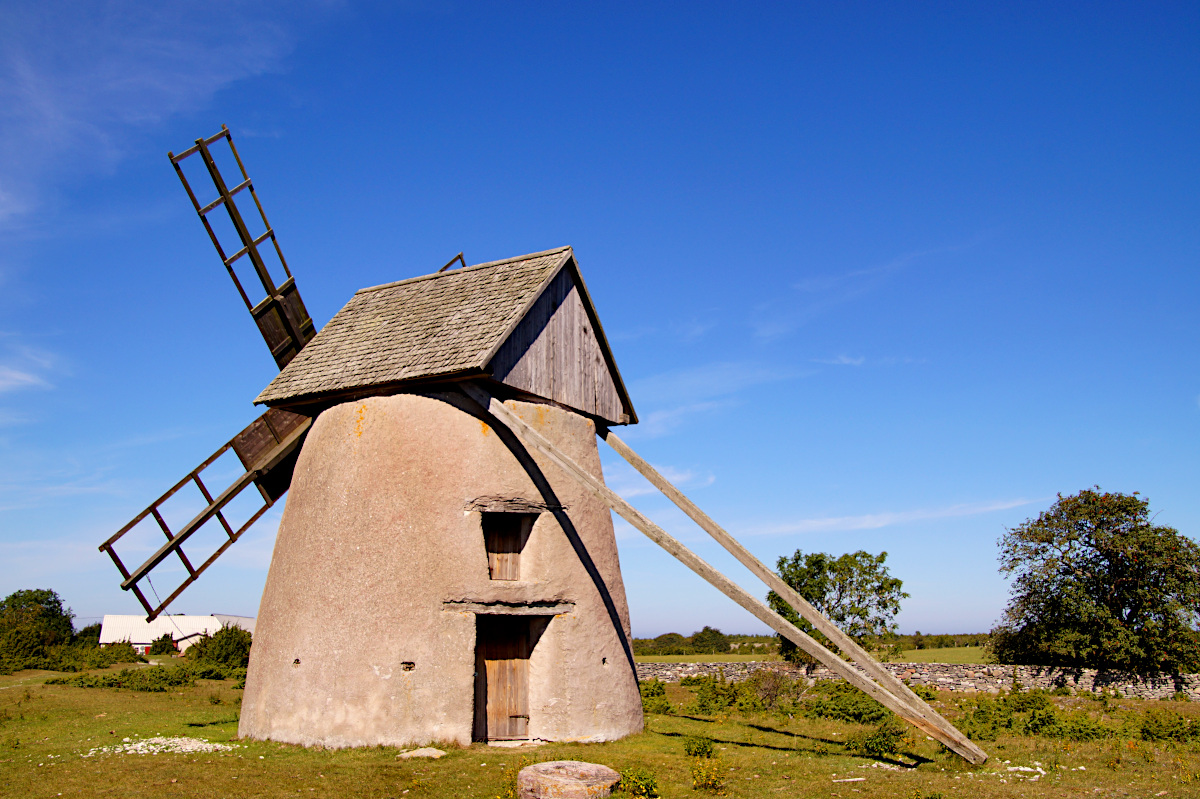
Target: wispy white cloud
19,492
22,366
842,360
11,378
819,294
874,521
662,421
76,79
709,380
625,480
676,396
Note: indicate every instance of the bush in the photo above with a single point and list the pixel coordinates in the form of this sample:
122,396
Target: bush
1044,722
885,739
156,679
638,781
713,695
1023,701
697,746
706,775
926,692
228,647
1166,725
1080,726
763,690
989,717
844,702
165,645
654,696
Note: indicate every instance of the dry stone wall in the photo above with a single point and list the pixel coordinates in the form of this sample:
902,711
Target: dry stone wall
955,677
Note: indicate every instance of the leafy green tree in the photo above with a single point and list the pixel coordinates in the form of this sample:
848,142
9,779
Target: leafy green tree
855,591
31,621
87,636
1097,584
163,645
228,647
710,641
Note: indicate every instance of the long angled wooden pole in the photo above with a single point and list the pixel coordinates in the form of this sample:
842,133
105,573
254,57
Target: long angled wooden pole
531,438
818,620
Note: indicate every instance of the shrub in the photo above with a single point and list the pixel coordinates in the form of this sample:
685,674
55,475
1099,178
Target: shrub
1044,722
1022,701
639,781
926,692
842,701
885,739
205,671
763,690
1166,725
654,696
987,718
156,679
714,695
698,746
706,775
164,645
1082,727
228,647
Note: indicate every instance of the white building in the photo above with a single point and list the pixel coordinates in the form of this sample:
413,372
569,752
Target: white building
184,630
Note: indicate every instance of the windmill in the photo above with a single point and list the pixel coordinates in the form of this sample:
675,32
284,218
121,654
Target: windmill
445,567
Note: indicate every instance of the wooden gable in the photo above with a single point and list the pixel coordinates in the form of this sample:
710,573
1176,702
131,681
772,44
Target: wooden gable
558,351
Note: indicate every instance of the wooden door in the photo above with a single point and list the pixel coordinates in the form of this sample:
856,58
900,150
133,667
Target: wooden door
502,647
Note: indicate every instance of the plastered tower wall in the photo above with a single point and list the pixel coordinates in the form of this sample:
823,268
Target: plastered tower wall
366,632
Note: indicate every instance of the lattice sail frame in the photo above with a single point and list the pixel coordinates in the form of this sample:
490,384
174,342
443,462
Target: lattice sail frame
268,446
281,316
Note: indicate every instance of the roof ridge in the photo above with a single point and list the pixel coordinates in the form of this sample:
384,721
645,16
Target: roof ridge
471,268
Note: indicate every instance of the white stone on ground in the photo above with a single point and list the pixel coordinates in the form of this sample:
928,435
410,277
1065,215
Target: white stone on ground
161,745
427,751
566,779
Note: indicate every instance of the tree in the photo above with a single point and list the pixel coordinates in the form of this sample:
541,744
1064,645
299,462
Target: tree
228,646
87,636
1097,584
710,641
31,621
855,591
163,645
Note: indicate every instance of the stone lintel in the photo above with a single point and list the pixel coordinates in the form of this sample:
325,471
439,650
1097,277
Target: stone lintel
510,608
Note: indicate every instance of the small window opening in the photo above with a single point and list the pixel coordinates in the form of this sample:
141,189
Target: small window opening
504,536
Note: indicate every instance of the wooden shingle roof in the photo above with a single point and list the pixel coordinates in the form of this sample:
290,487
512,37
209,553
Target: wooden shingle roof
447,325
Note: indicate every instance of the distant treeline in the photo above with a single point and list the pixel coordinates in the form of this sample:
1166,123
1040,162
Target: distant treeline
919,640
711,641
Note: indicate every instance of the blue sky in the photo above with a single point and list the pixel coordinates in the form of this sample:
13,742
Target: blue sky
878,276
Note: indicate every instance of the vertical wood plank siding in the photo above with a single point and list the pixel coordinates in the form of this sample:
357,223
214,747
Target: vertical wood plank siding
503,646
554,353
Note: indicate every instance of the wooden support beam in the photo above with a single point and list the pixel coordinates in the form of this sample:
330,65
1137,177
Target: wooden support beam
534,440
818,620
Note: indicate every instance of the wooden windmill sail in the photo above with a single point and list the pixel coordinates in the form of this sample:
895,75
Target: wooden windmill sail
453,413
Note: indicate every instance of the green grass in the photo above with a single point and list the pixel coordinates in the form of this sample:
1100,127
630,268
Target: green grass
44,730
953,654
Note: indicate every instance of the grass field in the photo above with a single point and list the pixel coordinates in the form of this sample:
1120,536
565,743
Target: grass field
954,654
48,731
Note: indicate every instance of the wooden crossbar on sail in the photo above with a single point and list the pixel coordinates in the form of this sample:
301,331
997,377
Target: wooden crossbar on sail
919,714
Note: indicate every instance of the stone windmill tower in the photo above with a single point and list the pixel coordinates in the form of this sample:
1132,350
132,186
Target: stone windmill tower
445,568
